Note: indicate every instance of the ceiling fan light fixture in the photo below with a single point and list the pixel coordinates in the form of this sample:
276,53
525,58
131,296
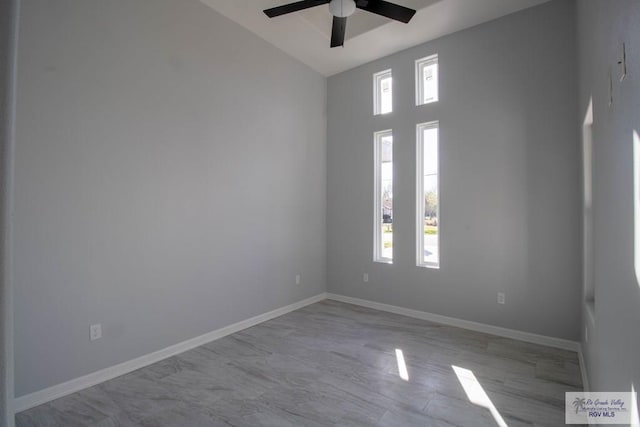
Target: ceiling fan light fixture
342,8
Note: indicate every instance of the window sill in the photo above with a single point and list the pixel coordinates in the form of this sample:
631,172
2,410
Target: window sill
431,266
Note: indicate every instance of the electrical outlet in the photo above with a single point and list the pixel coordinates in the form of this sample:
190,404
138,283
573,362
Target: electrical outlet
95,332
501,298
297,279
365,277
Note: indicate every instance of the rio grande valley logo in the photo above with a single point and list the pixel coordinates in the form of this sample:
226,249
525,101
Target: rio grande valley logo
600,408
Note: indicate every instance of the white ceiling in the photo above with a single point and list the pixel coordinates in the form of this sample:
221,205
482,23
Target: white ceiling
305,35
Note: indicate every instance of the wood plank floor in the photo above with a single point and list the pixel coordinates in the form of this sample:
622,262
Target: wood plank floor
332,364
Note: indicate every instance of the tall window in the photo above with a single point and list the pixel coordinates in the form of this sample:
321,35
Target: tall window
383,197
428,213
382,93
427,80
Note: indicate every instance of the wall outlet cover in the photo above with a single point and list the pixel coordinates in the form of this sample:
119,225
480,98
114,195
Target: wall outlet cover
95,332
501,298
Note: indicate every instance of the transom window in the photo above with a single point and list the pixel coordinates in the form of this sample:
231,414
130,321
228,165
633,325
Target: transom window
427,80
382,93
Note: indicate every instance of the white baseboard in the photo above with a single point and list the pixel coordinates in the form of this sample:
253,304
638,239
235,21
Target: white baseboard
464,324
583,369
585,378
40,397
54,392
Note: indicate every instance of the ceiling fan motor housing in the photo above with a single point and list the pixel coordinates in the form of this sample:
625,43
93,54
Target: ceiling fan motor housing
342,8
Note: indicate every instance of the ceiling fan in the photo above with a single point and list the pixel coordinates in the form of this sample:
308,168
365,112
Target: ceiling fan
341,9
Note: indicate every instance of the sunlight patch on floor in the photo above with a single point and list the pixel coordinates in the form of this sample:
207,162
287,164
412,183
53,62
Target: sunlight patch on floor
476,394
402,366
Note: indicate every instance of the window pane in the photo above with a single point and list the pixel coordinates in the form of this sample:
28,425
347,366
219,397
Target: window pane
383,230
430,75
386,176
428,220
427,80
430,177
382,92
386,95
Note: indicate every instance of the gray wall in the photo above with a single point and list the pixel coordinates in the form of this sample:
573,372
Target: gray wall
170,180
509,176
613,342
4,122
7,51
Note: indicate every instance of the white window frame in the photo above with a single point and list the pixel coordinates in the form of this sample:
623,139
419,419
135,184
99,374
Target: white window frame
377,197
377,91
420,262
421,64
